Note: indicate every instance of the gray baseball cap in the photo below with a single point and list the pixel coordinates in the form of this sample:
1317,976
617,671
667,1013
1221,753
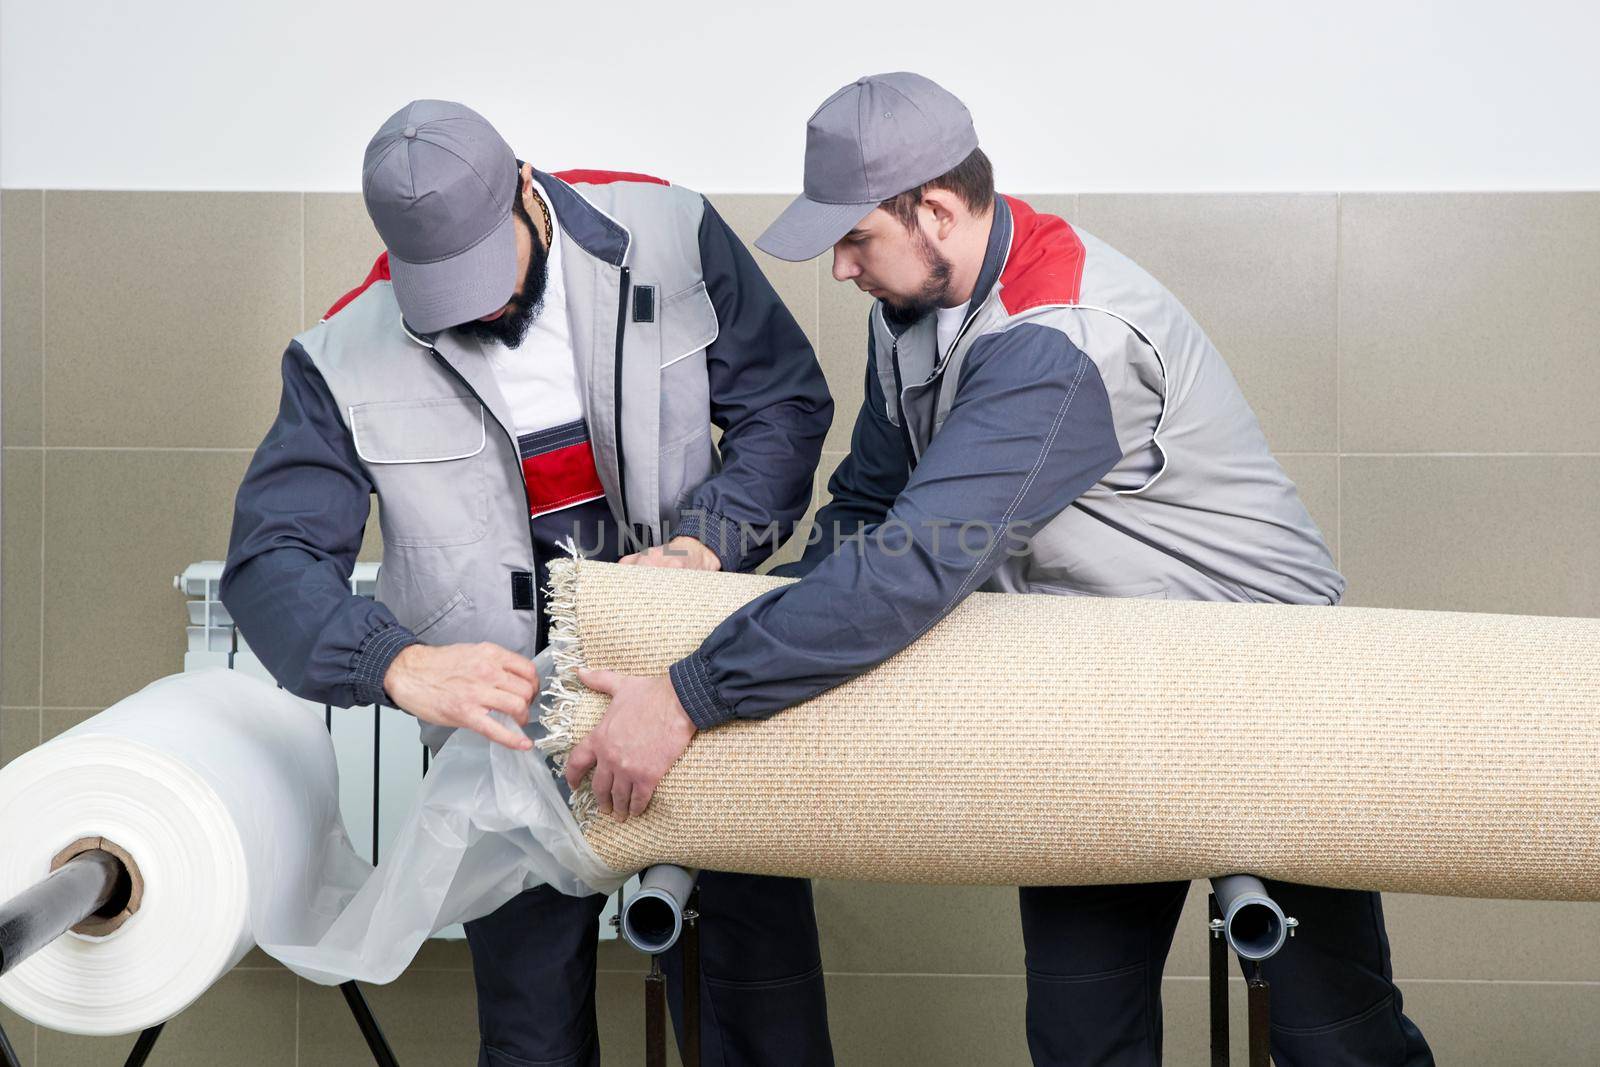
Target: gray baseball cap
874,139
439,182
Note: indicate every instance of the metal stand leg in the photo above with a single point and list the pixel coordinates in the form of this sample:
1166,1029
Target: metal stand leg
7,1053
691,981
142,1047
1218,948
1260,1035
655,1015
382,1054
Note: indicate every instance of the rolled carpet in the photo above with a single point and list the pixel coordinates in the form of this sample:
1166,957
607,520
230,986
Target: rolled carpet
1041,740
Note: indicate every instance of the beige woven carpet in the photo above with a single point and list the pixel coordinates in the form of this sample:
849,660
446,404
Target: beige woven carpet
1066,740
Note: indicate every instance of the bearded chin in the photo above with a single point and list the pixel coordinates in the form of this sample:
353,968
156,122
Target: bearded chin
935,288
511,328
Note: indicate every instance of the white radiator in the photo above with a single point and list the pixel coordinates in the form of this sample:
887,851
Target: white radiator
381,758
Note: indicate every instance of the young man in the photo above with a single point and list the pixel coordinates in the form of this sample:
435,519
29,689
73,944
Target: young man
535,357
1025,379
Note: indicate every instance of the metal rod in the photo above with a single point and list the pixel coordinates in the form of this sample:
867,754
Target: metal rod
691,981
55,904
377,1044
1260,1034
655,1015
377,764
7,1053
142,1047
1217,946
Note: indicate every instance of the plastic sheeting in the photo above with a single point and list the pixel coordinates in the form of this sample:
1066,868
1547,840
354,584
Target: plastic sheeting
224,791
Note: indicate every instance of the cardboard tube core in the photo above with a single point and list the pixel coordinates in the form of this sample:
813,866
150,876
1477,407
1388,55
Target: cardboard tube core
125,897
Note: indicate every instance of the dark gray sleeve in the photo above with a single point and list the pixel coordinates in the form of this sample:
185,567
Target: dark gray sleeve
297,525
1030,430
866,482
770,400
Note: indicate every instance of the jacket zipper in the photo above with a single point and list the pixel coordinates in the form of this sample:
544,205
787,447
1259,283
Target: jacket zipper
527,501
899,403
624,291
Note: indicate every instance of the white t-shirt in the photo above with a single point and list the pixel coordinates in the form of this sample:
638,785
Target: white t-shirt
539,378
950,320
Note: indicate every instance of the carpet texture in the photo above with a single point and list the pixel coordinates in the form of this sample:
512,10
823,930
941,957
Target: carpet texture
1037,740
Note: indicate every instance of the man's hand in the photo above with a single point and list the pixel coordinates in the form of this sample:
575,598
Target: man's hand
458,685
643,734
683,552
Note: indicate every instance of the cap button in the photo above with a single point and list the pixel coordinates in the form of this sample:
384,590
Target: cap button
409,131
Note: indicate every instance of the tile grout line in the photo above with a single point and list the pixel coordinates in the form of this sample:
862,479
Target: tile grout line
43,463
1563,982
1338,384
124,448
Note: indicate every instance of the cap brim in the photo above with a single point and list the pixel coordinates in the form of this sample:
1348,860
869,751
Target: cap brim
807,228
467,286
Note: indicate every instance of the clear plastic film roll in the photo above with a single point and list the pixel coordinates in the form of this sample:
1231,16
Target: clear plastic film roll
223,793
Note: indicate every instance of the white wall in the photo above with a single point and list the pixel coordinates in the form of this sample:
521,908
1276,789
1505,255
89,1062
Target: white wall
1135,96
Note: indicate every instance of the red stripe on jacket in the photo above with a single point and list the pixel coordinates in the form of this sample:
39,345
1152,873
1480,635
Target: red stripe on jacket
561,478
1046,261
379,273
606,177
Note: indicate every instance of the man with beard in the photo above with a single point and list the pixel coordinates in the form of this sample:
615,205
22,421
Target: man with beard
1041,416
536,357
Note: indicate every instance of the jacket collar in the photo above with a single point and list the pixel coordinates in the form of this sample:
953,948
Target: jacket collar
597,233
995,254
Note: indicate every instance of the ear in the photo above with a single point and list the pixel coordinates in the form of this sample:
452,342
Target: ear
947,210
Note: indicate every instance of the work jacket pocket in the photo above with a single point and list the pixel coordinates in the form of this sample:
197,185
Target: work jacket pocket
425,459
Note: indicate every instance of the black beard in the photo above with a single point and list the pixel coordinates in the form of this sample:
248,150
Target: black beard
512,327
935,289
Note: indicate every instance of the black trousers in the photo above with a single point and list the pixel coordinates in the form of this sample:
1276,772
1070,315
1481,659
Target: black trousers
761,993
1095,956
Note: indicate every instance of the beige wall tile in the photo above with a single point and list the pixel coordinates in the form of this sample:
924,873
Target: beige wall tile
1190,953
795,546
1186,1019
19,731
427,1016
430,1016
246,1018
1063,204
1553,1025
1493,940
1467,322
619,1009
1257,272
56,721
867,927
22,315
22,480
1487,533
748,214
843,350
23,1035
168,315
120,525
340,245
1317,479
926,1021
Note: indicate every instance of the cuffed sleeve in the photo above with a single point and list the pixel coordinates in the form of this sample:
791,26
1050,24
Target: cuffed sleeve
717,532
691,679
769,398
372,661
